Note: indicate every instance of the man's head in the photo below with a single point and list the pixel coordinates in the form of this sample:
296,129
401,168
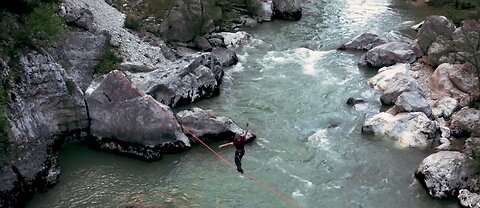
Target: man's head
237,137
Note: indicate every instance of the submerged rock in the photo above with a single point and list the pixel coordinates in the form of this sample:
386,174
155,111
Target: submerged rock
408,129
365,41
209,127
444,173
124,120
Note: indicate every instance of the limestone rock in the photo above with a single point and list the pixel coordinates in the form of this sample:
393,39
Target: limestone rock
472,147
388,54
440,83
444,173
386,74
125,120
232,40
413,101
444,107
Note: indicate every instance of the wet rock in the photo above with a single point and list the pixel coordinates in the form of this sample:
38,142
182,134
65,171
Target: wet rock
287,9
469,199
80,53
208,127
126,121
433,28
413,101
399,84
365,41
202,43
472,147
408,129
232,40
444,173
353,101
191,79
386,74
226,57
465,122
388,54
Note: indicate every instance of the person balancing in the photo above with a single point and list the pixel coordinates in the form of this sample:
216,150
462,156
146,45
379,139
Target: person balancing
239,143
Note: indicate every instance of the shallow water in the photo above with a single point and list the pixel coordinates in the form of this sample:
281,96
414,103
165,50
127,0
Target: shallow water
291,86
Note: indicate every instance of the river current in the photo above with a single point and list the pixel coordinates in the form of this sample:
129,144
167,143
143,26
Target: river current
291,86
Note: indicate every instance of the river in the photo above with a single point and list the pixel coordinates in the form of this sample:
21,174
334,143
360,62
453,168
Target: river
291,86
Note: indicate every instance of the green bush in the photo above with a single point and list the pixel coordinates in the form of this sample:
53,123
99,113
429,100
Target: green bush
133,22
43,26
70,86
108,62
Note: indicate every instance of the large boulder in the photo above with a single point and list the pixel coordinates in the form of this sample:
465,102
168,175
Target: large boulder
465,78
408,129
226,56
386,74
388,54
472,147
440,82
262,9
206,126
469,199
466,122
399,84
189,80
80,52
287,9
124,120
413,101
365,41
433,28
444,173
440,52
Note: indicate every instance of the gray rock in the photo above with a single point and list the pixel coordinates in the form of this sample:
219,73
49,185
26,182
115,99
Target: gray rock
472,147
232,40
417,26
408,129
80,53
202,43
444,173
445,107
469,199
215,42
365,41
226,57
386,74
465,122
413,101
189,80
440,83
465,78
399,84
80,17
388,54
439,53
209,127
125,120
433,28
287,9
262,9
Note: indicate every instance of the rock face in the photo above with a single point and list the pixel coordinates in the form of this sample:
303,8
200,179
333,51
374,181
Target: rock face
80,53
124,120
388,54
365,41
287,9
208,127
433,28
408,129
46,105
469,199
465,122
80,17
188,81
444,173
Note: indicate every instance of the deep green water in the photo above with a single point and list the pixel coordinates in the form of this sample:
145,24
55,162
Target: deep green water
290,95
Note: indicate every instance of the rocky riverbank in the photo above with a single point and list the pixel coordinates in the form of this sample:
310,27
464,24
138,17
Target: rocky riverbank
431,88
58,95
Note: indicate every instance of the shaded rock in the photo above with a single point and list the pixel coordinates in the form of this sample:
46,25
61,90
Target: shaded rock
433,28
202,43
408,129
365,41
226,57
189,80
444,173
469,199
465,122
80,53
126,121
209,127
386,74
465,78
215,42
287,9
388,54
413,101
439,53
399,84
472,147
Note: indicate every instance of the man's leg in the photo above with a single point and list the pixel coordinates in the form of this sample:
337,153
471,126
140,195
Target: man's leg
238,162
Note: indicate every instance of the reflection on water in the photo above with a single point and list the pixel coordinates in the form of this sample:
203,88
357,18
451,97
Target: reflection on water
291,86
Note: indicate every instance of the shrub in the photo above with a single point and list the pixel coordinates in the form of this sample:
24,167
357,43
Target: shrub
109,60
70,86
43,26
132,22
